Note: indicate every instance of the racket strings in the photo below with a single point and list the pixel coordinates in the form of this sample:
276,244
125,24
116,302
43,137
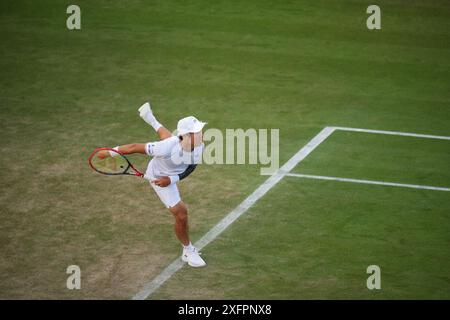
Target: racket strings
109,165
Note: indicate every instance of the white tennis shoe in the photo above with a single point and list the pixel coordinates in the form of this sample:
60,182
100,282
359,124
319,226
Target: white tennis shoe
192,257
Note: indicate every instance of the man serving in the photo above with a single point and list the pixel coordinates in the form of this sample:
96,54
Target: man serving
173,159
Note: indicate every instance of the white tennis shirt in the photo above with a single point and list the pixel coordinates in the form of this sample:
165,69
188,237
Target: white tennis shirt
169,158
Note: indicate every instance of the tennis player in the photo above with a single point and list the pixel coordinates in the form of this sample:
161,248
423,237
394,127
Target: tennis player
173,159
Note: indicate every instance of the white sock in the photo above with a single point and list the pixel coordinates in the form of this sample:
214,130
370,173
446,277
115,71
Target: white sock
155,124
189,247
151,120
145,112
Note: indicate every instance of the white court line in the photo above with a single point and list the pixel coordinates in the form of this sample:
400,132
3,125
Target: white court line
395,133
149,288
382,183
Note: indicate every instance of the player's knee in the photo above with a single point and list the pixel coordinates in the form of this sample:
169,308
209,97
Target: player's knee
180,212
182,216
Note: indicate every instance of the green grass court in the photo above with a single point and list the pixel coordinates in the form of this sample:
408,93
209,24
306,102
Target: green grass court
298,66
346,228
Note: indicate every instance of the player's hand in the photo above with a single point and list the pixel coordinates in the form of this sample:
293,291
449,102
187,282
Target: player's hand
103,154
162,182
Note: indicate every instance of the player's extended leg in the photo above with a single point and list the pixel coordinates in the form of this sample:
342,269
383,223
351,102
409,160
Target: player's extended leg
163,133
146,113
190,253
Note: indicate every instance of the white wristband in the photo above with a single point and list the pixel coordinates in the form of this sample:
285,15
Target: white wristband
114,154
174,179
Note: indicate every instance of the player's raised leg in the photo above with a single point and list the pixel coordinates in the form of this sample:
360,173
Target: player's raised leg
146,113
163,133
190,253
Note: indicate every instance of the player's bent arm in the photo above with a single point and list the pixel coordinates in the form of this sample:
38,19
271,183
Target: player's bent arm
165,181
184,174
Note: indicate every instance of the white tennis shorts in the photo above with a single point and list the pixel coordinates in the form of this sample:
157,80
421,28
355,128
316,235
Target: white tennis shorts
169,195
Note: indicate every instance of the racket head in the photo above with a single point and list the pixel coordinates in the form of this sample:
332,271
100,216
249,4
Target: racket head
102,162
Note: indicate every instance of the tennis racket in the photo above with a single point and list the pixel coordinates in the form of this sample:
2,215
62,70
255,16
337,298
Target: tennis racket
102,162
